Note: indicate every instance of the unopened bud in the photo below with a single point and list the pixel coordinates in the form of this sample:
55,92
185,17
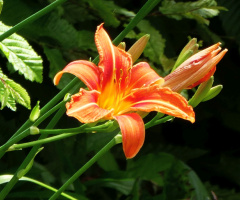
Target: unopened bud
138,47
201,92
213,92
34,130
35,112
190,49
122,45
22,172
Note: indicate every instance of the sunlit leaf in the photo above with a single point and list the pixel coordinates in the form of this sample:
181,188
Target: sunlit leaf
12,93
21,55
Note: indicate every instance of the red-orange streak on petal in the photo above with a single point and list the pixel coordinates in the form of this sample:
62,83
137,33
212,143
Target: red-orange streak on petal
155,98
205,78
107,57
133,133
143,75
83,106
115,63
86,71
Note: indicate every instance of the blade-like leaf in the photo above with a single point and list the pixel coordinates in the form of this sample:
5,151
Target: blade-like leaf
22,56
7,177
12,93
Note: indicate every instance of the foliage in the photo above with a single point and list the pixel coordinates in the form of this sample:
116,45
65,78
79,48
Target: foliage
178,160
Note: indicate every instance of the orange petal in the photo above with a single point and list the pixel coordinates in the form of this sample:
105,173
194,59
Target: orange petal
86,71
114,63
143,75
133,133
164,100
83,106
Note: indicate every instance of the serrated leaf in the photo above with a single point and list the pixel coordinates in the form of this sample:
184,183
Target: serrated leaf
156,44
21,55
198,10
105,10
12,93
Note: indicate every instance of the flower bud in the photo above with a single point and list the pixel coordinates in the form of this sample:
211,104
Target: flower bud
35,112
122,45
138,47
213,92
190,49
22,172
201,92
34,130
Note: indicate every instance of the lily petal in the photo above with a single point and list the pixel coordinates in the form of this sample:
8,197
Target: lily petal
86,71
164,100
143,75
115,63
83,106
133,133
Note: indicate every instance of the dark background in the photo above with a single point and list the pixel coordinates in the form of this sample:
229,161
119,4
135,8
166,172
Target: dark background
210,146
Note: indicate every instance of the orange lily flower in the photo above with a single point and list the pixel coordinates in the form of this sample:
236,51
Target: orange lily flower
196,69
117,90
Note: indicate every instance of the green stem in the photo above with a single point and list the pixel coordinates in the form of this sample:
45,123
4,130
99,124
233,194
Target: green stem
147,7
63,133
158,121
31,18
5,147
140,15
25,133
29,157
117,139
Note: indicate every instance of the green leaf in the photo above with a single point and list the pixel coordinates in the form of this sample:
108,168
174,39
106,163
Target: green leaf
12,93
156,44
149,167
21,55
105,10
7,177
1,5
200,192
198,10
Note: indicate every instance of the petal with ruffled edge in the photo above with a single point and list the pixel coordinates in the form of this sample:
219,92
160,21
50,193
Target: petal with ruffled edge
143,75
115,63
83,106
133,133
86,71
164,100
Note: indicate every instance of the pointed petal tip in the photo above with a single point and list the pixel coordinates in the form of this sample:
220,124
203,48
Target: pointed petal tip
57,78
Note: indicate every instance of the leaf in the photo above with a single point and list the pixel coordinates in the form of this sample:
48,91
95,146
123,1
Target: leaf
156,44
198,10
1,5
12,93
105,10
7,177
200,192
123,185
21,55
149,167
